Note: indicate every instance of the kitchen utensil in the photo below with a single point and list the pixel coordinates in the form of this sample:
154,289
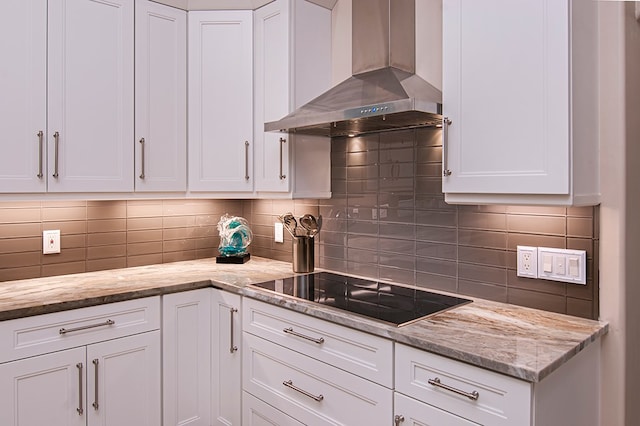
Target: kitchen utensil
310,224
290,223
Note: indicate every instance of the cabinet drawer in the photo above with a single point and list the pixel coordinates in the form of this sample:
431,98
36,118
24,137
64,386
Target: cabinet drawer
40,334
360,353
502,400
416,413
311,391
258,413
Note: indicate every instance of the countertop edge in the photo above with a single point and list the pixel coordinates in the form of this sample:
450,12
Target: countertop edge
417,336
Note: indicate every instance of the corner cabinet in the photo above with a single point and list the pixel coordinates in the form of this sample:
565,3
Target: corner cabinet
292,65
220,93
161,98
67,96
201,358
522,100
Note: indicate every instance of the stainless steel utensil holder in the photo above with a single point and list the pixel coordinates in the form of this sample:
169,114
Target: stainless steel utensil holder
303,254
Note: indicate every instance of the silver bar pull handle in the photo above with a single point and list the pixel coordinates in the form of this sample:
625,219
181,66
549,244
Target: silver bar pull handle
471,395
56,141
446,122
142,142
246,160
282,142
289,384
399,418
80,408
84,327
95,397
232,347
289,330
40,146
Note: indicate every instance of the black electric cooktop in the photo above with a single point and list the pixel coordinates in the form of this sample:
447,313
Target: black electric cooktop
382,301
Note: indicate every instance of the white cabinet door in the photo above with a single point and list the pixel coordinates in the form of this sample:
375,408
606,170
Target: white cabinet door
272,88
123,381
292,65
522,98
44,390
220,101
161,98
186,348
90,96
23,103
226,361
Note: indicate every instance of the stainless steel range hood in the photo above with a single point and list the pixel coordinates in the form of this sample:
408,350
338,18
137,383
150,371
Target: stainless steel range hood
384,92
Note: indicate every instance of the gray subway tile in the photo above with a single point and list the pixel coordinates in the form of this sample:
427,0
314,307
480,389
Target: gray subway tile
436,250
534,299
580,308
486,239
399,275
580,227
486,221
482,256
482,290
548,225
436,282
436,266
485,274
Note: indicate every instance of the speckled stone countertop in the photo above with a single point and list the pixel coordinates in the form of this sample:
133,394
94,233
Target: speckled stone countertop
524,343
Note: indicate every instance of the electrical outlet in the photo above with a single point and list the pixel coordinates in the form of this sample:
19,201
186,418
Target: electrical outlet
527,261
51,242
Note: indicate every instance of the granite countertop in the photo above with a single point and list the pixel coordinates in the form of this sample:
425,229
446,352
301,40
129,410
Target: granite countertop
524,343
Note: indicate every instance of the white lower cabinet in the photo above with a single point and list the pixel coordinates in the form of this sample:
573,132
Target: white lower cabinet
186,363
226,358
201,363
112,382
309,390
432,389
297,368
43,390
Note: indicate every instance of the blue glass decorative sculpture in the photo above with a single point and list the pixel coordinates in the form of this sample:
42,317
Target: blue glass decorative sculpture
235,238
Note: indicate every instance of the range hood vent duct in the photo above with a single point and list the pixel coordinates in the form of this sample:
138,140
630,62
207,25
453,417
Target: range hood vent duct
384,93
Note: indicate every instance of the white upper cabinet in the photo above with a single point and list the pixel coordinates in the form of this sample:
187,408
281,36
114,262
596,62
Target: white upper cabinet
90,96
23,103
220,102
520,89
292,65
161,98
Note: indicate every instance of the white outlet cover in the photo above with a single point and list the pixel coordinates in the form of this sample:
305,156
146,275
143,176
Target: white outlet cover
51,241
527,261
278,232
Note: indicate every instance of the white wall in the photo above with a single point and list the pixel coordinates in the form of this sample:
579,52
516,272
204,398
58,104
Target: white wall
620,211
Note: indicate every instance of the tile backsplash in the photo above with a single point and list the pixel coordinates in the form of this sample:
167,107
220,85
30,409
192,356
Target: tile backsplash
98,235
387,219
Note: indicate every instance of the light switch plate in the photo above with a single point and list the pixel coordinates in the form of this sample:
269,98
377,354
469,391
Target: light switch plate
278,232
562,265
51,241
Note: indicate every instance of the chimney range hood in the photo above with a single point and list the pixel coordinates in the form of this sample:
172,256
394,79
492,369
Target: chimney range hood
384,92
